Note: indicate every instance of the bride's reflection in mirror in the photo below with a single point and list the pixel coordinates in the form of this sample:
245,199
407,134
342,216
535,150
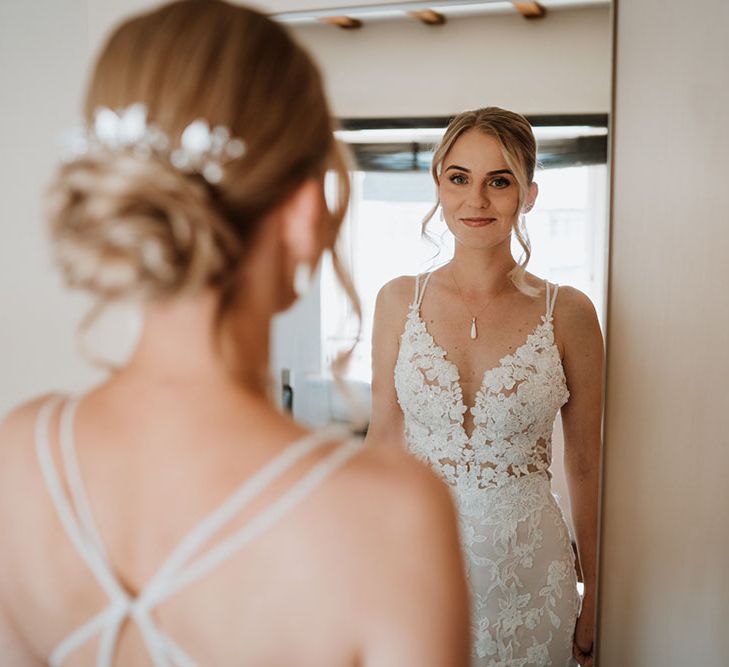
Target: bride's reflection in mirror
171,514
393,136
472,361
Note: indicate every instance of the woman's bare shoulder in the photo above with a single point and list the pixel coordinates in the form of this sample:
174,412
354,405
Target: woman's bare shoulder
571,298
576,325
392,304
17,429
575,308
20,474
405,552
389,482
397,292
571,302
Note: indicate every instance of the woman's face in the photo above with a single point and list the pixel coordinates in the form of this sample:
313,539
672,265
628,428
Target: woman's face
478,192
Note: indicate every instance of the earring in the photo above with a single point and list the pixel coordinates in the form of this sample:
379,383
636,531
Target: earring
302,278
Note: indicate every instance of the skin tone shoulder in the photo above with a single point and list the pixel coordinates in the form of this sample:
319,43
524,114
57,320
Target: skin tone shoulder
480,199
338,576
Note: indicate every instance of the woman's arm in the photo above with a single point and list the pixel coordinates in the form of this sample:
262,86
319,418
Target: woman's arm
17,502
420,592
386,421
425,619
579,332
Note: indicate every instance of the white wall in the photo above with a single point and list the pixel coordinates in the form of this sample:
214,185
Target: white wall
559,64
43,61
664,584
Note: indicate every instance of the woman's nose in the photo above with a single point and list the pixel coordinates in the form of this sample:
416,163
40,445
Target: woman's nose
480,198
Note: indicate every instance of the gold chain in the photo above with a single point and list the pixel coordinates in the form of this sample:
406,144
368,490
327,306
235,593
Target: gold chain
474,330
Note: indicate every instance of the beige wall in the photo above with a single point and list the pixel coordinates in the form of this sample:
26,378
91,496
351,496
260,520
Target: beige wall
43,61
665,550
46,48
560,64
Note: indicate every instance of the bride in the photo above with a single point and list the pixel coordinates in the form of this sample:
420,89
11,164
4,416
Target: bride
472,362
172,515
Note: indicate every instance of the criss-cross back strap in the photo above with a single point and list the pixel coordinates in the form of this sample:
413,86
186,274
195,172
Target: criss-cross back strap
182,567
421,282
551,299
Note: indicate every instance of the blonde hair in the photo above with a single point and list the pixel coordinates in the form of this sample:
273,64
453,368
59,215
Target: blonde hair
127,226
519,147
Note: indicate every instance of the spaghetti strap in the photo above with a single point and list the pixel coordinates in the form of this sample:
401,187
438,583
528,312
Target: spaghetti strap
186,563
420,289
551,299
417,291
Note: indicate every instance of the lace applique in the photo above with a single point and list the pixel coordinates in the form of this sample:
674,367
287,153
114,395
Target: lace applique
521,569
517,548
512,433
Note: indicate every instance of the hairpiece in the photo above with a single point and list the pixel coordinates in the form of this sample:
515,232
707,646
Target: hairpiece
201,149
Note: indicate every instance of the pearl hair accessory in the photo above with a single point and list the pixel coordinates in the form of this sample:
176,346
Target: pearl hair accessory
201,150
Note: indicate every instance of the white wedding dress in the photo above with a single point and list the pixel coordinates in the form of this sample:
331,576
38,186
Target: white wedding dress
517,550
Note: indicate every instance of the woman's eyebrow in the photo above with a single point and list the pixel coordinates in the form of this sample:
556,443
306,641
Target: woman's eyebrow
488,173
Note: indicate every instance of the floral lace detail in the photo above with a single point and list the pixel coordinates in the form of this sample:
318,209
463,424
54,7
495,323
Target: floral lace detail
521,568
517,548
512,433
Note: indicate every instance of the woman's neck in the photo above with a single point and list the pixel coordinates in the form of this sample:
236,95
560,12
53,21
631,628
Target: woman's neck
179,344
482,270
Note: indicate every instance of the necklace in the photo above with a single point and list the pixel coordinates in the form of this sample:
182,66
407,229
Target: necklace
474,330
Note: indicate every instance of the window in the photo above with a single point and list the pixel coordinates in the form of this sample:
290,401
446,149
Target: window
392,190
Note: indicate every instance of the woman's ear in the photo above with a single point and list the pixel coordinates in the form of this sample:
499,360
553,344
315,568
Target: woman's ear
300,221
531,197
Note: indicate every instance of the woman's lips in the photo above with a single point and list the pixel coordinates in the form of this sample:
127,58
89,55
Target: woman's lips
477,222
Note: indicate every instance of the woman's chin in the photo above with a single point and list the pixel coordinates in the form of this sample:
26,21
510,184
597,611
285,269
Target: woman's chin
482,239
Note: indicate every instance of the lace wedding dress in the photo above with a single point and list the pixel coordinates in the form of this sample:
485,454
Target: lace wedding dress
519,558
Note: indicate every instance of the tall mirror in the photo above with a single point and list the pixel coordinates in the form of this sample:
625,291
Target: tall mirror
397,73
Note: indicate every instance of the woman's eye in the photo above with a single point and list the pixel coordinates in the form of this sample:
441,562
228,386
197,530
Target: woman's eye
458,179
500,182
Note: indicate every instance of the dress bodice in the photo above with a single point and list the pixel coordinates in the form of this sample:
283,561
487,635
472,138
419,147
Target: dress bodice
513,412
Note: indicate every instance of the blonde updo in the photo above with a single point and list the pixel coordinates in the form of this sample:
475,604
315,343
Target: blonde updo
519,148
126,226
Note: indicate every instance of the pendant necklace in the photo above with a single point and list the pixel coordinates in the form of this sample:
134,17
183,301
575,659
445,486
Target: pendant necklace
474,330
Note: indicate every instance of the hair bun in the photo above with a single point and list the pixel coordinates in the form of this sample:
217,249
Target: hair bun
126,226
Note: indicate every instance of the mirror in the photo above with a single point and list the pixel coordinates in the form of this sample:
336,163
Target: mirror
396,74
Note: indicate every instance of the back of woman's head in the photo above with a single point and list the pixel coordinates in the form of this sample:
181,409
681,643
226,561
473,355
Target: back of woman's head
125,224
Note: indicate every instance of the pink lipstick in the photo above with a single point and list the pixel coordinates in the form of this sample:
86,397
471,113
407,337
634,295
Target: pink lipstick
477,222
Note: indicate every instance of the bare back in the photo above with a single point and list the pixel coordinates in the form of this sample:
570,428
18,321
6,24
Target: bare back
330,582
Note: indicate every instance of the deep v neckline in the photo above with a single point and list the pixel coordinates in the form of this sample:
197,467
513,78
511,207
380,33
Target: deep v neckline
489,371
494,378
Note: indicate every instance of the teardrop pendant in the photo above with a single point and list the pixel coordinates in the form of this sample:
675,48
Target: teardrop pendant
474,333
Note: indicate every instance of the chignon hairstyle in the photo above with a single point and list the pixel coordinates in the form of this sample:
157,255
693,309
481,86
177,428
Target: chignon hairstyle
519,147
127,226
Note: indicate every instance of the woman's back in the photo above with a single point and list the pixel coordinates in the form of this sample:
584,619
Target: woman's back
337,579
196,190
